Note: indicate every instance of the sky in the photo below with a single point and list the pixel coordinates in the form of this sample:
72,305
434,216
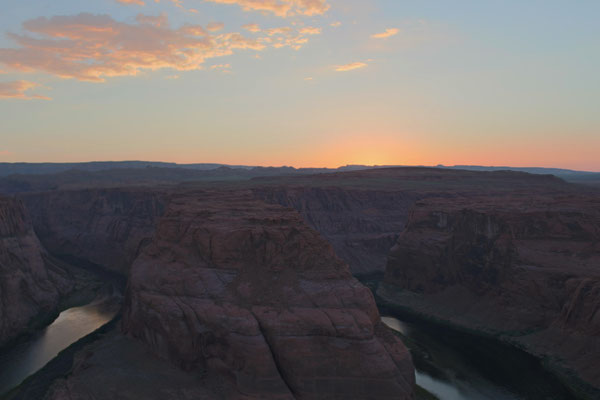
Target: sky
318,83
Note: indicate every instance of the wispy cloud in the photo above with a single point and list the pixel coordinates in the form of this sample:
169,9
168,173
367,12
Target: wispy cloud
224,68
137,2
252,28
336,24
18,89
310,30
93,47
388,33
350,67
281,8
215,26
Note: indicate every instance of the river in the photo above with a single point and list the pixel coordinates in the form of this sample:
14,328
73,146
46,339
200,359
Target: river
458,366
27,357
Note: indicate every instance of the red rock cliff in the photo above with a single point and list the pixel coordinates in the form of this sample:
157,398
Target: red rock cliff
526,269
106,227
247,290
30,289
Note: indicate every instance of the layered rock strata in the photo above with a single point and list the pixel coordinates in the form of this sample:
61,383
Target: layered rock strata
105,227
236,287
30,285
524,269
361,225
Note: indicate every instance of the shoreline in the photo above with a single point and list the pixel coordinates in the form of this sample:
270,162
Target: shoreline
580,389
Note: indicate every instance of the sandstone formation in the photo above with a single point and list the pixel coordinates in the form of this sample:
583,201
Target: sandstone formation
245,290
361,213
361,225
523,268
105,227
30,285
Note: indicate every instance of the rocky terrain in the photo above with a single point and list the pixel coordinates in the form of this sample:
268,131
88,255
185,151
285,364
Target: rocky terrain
246,290
361,213
523,268
231,285
361,225
102,227
31,286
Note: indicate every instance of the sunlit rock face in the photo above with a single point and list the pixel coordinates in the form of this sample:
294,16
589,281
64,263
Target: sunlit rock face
524,268
233,286
105,227
30,287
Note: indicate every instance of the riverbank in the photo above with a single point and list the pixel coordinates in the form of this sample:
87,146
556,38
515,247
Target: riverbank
37,385
402,304
87,285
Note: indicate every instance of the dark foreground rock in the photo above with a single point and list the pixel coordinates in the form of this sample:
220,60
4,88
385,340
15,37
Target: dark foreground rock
525,269
248,292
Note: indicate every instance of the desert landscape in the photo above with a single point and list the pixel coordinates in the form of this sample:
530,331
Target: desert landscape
299,200
248,288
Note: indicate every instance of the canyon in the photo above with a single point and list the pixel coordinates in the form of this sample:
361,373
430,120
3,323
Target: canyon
245,289
525,270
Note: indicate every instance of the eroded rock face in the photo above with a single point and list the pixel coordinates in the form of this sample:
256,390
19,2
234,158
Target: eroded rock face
106,227
361,225
525,269
247,290
30,288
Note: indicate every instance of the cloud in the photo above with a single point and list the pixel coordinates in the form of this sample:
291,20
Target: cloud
336,24
388,33
254,28
92,47
138,2
215,26
17,89
351,66
281,8
5,153
310,30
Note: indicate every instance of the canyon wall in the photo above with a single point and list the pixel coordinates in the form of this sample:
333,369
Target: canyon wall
105,227
361,225
525,269
30,285
246,290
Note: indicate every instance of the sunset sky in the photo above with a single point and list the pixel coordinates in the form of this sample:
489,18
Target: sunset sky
302,82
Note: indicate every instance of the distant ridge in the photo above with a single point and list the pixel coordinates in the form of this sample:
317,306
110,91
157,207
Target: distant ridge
214,169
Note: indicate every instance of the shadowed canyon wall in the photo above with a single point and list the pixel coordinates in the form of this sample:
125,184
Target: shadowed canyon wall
525,269
361,225
30,285
105,227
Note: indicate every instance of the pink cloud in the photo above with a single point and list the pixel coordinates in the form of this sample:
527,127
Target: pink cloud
351,66
91,47
215,26
388,33
281,8
18,89
137,2
254,28
310,30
